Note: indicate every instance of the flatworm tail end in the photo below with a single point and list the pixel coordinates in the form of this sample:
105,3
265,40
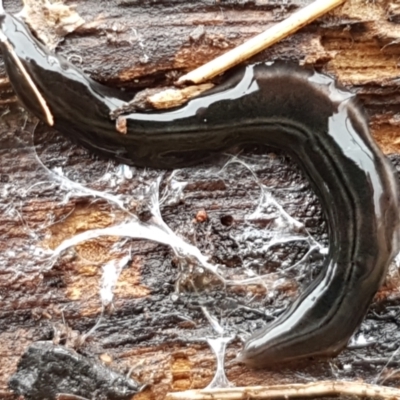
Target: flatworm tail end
359,193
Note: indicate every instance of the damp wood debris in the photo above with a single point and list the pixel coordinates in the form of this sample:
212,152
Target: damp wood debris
217,66
147,327
291,391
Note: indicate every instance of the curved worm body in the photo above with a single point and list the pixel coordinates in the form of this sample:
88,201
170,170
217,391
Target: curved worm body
300,111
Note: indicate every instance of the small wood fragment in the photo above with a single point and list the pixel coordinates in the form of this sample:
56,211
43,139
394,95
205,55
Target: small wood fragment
121,125
51,21
201,216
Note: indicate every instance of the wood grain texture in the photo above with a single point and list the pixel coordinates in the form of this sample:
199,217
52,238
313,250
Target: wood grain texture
137,44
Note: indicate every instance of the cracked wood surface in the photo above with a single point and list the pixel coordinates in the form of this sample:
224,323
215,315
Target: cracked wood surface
138,44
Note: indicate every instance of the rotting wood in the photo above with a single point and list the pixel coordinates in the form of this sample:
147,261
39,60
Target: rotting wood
260,42
358,44
291,391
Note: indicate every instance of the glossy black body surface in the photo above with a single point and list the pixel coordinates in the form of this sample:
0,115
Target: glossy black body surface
297,110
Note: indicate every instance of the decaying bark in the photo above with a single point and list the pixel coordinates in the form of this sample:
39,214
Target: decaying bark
150,332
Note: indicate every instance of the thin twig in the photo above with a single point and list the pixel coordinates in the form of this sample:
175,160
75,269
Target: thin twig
290,391
66,396
260,42
170,98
